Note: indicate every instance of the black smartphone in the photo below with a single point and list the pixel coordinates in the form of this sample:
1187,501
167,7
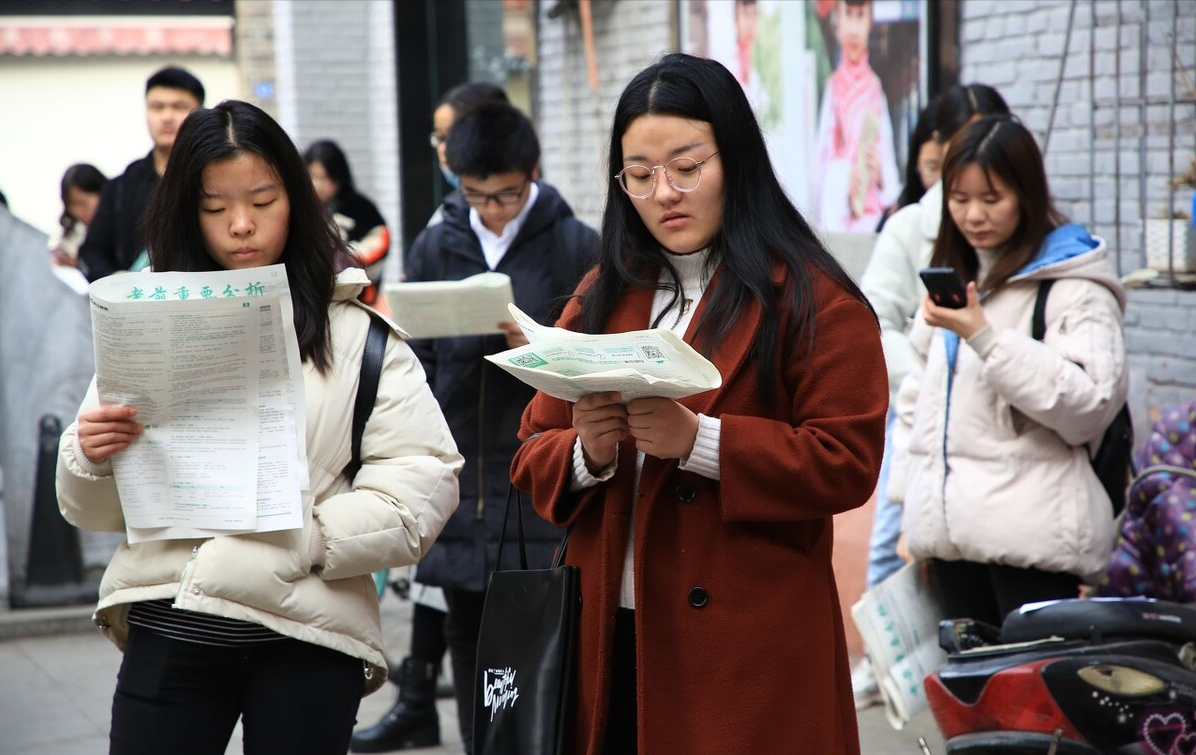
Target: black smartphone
944,287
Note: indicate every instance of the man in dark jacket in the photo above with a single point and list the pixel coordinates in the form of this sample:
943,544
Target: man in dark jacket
114,241
506,221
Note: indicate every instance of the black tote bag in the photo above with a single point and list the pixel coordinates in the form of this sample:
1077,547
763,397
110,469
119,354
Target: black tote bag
527,655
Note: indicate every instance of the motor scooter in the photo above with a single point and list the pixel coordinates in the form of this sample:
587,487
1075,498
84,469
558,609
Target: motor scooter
1104,676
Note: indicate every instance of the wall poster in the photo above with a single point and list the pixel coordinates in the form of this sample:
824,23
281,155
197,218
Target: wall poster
837,86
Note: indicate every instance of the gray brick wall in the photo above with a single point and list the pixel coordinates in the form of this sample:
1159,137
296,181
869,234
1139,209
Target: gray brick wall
1102,124
1100,65
335,79
255,53
572,120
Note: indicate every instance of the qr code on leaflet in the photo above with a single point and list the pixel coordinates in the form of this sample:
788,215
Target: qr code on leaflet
527,360
652,352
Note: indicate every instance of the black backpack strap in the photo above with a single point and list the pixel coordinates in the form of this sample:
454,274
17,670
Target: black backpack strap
1038,324
1113,460
367,387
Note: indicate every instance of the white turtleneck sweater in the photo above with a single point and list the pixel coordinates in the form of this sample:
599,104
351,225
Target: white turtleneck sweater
703,459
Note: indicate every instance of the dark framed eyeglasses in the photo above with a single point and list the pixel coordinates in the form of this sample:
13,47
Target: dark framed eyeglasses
505,197
436,139
683,174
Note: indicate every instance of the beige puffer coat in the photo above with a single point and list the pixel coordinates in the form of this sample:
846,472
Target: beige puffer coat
891,280
995,468
312,584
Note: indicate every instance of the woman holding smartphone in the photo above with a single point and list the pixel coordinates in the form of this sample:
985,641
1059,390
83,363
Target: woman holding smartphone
891,284
994,427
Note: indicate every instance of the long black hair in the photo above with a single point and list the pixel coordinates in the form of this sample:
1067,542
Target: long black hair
760,225
924,131
172,229
84,177
329,154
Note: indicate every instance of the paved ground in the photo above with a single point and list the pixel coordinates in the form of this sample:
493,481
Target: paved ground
57,676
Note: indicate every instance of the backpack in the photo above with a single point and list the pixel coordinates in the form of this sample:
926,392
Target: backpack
1113,461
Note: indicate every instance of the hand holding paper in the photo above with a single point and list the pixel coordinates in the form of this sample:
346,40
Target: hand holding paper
601,424
107,430
638,364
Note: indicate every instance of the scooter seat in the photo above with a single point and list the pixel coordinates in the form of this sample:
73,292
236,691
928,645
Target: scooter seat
1100,618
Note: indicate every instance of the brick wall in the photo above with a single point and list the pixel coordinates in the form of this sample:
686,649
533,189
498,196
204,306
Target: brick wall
255,53
335,79
574,121
1074,72
1109,151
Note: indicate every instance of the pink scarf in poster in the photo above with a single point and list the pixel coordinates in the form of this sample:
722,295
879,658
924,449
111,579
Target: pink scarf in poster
858,103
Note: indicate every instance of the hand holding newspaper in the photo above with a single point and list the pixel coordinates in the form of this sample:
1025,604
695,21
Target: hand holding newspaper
212,364
899,622
436,309
638,364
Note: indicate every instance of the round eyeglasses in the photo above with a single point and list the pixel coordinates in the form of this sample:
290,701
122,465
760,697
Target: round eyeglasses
435,139
683,174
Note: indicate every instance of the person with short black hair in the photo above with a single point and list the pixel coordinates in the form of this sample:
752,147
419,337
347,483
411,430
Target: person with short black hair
510,223
413,721
455,103
115,240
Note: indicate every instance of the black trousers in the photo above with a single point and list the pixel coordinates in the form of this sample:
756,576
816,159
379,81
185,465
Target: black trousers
427,634
989,592
185,698
461,628
622,717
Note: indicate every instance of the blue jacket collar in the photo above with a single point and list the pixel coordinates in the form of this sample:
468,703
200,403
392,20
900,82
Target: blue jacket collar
1061,244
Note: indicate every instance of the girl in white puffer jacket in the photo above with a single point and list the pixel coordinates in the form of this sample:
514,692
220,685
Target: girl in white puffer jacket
994,426
278,629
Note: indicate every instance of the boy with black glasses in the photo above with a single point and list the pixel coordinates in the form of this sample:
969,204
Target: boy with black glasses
514,224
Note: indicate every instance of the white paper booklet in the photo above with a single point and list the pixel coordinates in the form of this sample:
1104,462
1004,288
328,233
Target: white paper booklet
899,622
437,309
639,364
212,364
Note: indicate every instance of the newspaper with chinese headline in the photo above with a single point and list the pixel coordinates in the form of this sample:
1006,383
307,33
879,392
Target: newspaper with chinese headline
638,364
468,307
211,362
898,620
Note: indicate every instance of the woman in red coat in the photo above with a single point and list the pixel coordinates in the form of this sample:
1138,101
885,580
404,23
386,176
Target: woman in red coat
710,618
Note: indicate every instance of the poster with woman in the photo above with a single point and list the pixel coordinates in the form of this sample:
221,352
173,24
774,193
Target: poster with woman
838,106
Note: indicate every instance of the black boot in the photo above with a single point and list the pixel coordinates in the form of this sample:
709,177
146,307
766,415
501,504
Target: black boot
412,721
